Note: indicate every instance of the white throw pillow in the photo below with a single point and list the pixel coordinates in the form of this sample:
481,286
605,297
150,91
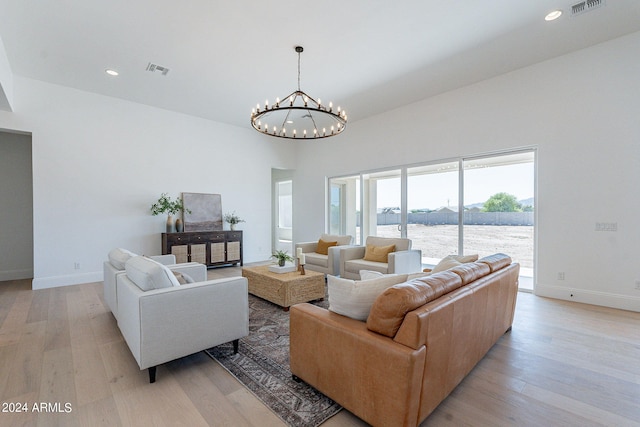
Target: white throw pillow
354,298
370,274
118,257
148,274
451,261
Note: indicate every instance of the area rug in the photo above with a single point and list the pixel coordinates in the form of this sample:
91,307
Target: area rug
262,365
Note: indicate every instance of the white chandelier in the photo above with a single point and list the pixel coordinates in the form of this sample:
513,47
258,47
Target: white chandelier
298,116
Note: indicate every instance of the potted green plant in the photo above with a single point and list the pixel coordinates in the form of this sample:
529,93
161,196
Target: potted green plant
282,257
170,207
233,219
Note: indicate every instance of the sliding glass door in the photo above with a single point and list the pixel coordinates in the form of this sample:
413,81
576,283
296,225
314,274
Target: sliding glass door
344,206
499,208
382,198
432,206
479,205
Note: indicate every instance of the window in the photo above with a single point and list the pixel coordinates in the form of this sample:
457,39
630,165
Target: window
482,205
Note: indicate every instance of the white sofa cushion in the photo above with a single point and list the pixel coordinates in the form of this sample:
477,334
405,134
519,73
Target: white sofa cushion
317,259
451,261
368,274
342,240
118,257
148,274
354,298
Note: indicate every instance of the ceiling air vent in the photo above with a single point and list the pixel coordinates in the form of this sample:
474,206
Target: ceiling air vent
155,68
585,6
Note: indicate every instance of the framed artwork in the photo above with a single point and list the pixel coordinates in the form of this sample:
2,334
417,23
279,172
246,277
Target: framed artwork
206,212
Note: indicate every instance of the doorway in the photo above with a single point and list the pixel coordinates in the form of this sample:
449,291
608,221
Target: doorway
16,185
282,229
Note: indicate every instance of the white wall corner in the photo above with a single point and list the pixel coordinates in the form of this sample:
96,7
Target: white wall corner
6,81
622,302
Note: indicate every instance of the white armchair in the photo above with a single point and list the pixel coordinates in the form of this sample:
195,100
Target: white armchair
115,266
402,260
161,322
324,263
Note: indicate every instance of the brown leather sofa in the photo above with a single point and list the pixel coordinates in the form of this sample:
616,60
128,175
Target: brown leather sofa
421,339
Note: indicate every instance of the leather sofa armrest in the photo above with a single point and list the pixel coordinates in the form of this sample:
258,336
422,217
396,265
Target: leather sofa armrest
369,374
405,261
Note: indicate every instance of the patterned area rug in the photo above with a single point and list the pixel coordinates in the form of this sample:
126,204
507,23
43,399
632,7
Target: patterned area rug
262,365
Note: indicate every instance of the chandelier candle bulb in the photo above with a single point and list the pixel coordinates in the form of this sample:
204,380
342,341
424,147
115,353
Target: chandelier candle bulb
302,112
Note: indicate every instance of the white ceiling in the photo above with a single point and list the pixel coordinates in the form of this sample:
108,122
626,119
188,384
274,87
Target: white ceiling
368,56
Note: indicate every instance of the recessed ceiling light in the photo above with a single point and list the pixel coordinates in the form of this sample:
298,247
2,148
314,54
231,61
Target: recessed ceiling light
111,72
551,16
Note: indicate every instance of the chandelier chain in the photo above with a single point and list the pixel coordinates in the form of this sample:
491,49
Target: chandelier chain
298,71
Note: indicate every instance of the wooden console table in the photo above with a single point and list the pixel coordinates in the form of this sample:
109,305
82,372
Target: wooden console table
211,248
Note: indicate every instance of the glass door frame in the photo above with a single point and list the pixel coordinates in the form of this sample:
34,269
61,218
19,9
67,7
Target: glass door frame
461,177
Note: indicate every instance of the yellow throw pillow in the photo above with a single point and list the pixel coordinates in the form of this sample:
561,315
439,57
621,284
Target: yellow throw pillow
378,253
323,247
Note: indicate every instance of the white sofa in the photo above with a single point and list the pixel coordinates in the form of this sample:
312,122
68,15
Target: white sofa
402,260
329,263
114,266
162,320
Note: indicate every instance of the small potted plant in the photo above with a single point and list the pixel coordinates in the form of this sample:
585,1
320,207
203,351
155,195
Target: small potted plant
233,219
170,207
282,257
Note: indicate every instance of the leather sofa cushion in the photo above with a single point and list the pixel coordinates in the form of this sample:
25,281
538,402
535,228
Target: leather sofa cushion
389,309
378,253
471,271
496,261
323,246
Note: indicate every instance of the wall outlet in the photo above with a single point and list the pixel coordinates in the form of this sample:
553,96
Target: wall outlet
638,285
76,266
561,275
606,226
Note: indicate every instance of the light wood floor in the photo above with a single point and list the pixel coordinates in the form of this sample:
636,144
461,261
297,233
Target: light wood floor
564,364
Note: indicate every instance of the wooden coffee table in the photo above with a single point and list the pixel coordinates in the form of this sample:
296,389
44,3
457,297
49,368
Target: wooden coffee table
284,289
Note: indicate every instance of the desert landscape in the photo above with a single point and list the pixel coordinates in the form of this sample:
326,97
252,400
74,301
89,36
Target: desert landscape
437,241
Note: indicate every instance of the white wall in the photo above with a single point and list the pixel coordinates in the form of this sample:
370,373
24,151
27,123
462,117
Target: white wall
100,162
6,81
582,112
16,207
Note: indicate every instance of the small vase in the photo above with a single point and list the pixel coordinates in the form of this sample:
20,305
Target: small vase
170,226
179,225
281,262
233,227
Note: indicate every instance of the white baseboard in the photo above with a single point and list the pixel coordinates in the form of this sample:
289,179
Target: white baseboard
71,279
623,302
16,274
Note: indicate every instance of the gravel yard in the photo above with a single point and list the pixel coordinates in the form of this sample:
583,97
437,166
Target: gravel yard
437,241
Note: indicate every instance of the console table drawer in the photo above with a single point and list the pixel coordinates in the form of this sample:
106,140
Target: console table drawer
212,248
